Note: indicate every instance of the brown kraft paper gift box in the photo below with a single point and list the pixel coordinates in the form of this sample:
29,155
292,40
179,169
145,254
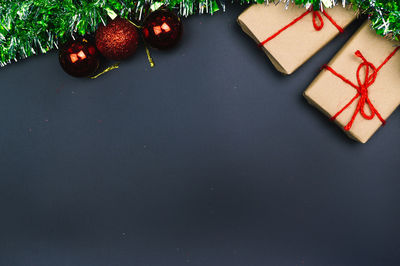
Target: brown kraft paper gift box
299,42
330,93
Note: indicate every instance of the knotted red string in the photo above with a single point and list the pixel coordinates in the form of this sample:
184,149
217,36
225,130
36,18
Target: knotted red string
371,73
317,26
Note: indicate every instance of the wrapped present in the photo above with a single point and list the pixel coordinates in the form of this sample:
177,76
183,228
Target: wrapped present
359,88
290,36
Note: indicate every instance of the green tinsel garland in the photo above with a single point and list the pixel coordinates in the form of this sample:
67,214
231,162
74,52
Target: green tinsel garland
29,27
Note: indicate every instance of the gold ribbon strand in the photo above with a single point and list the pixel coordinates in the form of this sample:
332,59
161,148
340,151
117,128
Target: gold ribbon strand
115,66
145,45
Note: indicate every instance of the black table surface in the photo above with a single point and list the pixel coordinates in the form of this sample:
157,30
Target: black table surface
210,158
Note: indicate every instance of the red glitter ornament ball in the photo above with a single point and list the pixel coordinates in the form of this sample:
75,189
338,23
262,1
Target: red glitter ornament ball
162,29
79,58
117,40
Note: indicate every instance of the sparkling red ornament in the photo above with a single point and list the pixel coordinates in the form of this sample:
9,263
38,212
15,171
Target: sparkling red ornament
79,58
162,29
117,40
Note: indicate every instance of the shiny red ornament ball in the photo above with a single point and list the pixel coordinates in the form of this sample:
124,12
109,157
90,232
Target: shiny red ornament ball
162,29
79,58
117,40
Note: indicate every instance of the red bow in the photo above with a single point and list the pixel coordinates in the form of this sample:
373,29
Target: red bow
317,27
371,73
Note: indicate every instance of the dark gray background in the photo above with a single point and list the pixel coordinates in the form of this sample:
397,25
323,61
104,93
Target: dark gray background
210,158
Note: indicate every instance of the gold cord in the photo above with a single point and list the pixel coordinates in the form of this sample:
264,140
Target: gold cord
106,70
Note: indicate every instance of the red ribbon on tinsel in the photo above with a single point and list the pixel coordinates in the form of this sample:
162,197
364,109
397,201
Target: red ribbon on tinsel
371,73
317,26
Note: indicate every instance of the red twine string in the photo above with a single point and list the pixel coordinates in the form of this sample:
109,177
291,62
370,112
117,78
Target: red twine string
371,73
317,26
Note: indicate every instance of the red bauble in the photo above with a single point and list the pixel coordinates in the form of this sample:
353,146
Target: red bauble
79,58
162,29
118,39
